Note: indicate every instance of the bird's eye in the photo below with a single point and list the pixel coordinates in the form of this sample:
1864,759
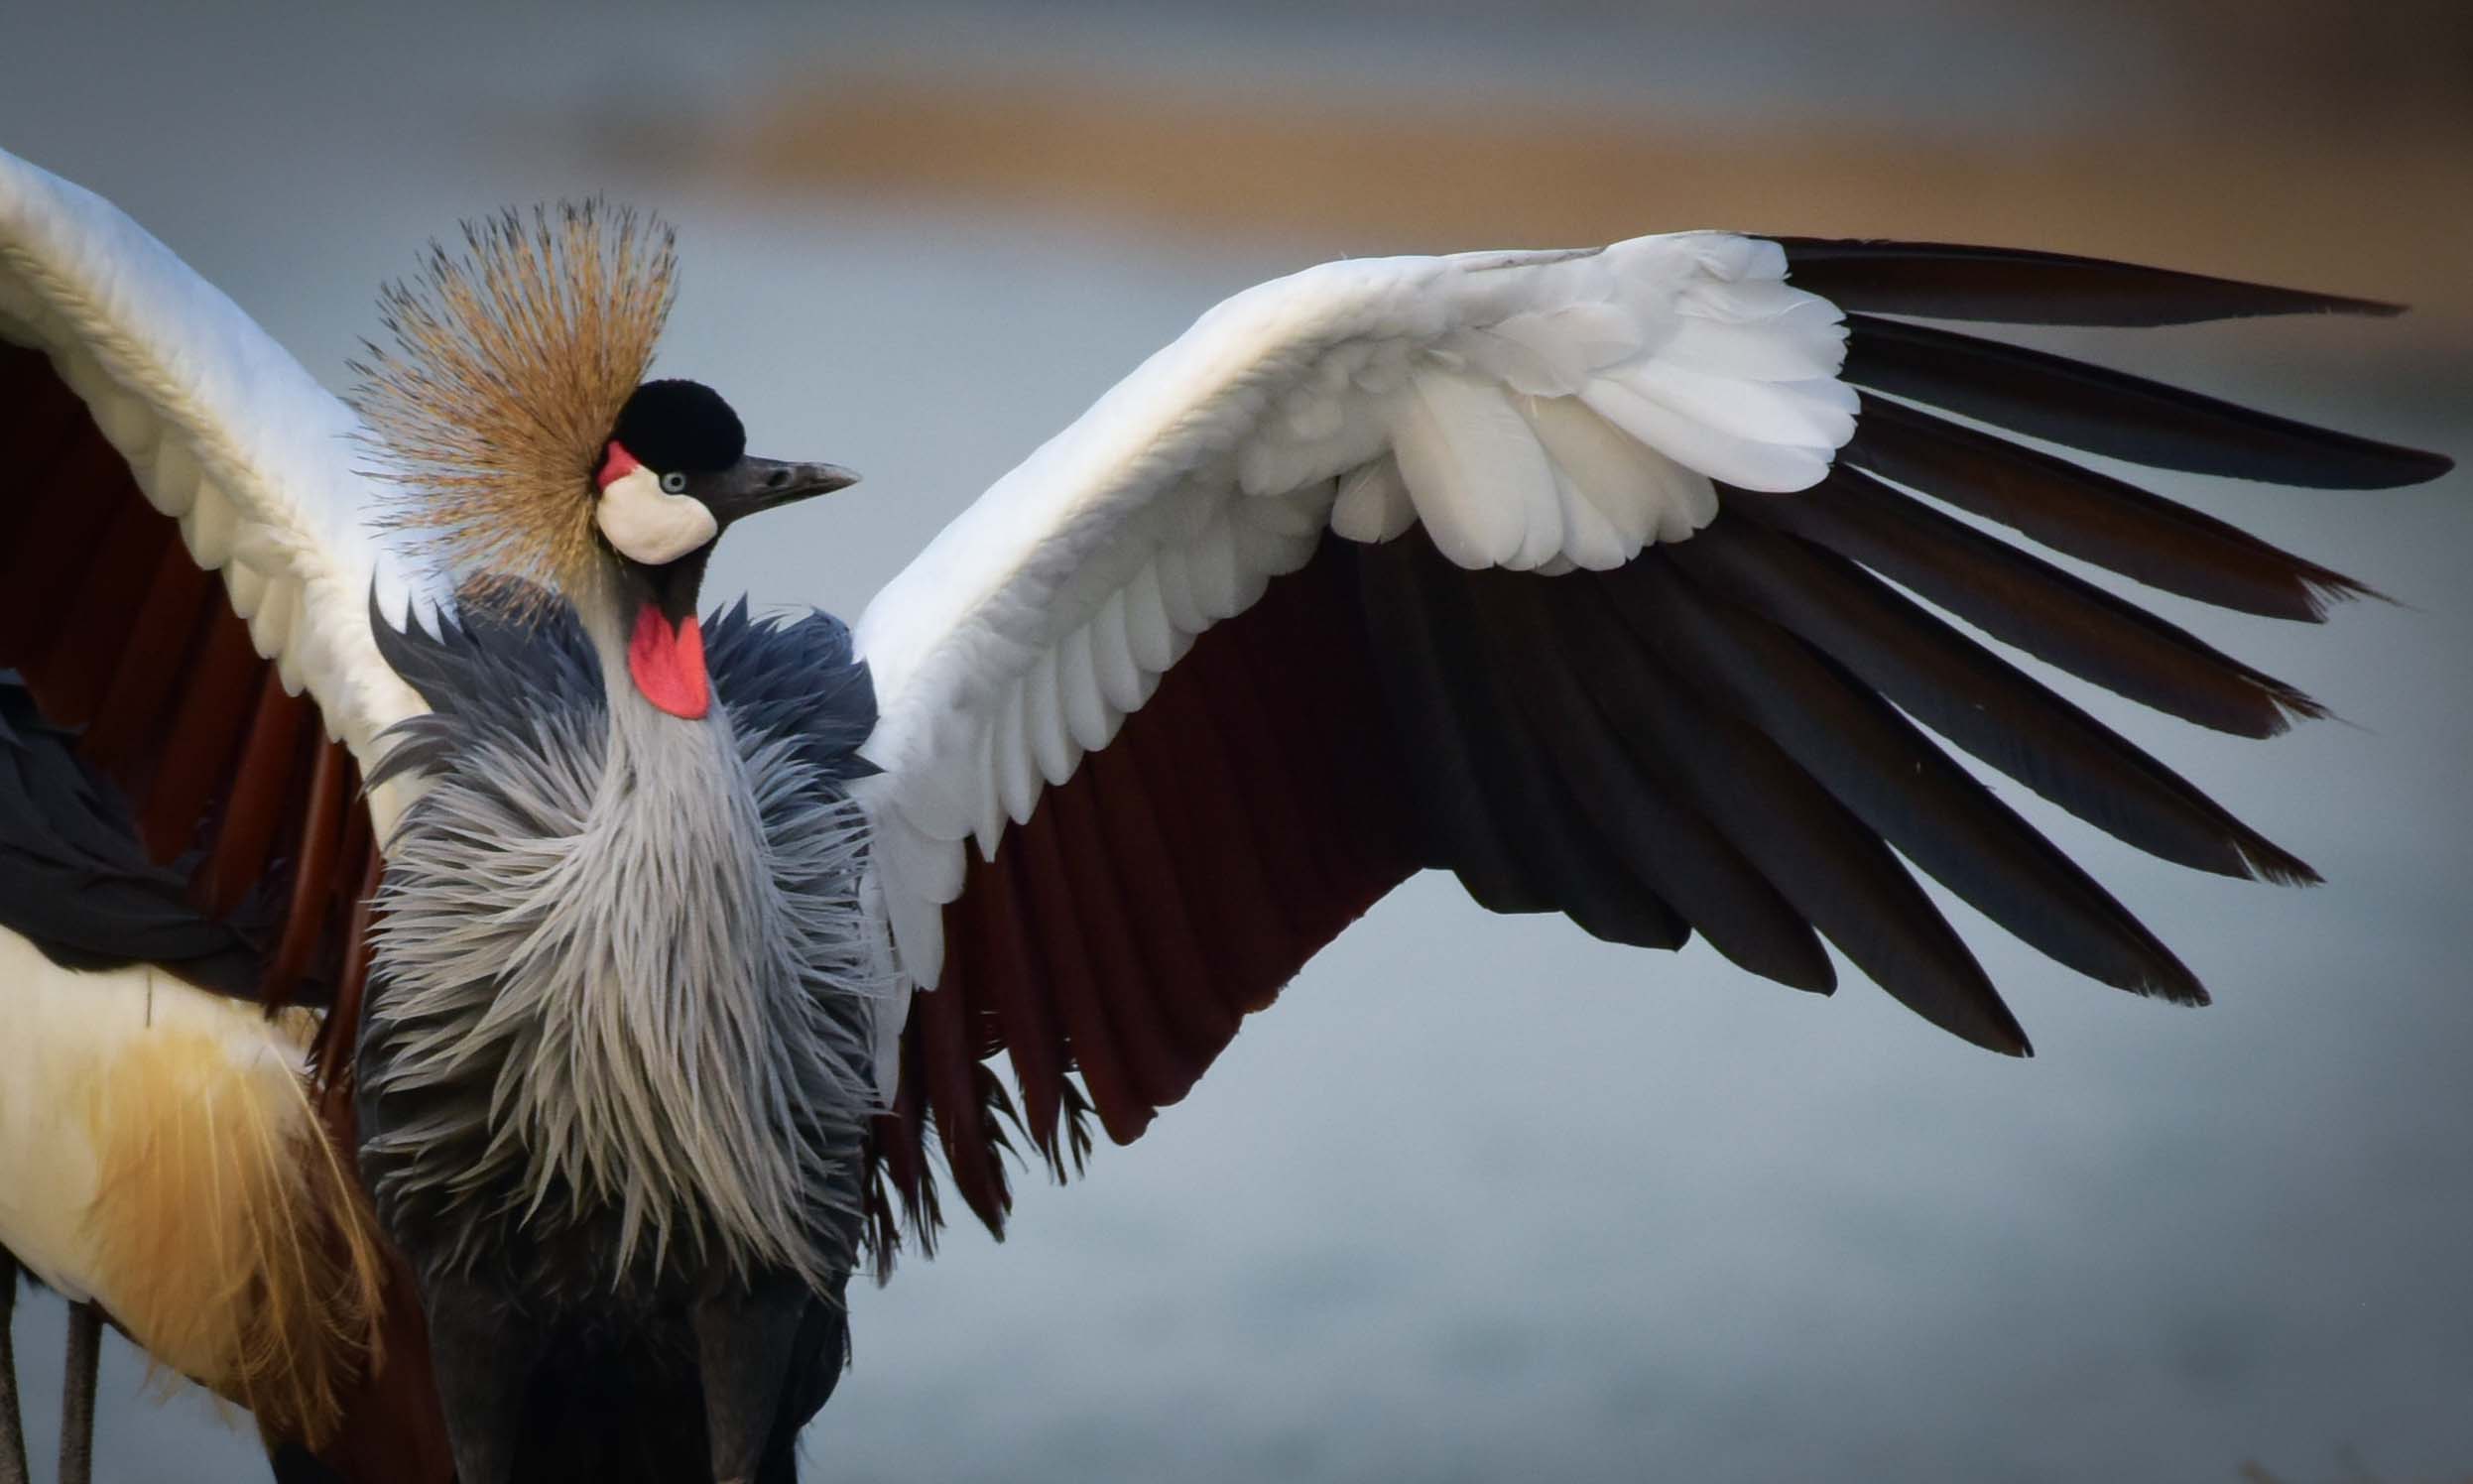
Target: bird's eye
674,484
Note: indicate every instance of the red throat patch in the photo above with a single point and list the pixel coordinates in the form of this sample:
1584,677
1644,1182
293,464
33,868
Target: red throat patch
668,663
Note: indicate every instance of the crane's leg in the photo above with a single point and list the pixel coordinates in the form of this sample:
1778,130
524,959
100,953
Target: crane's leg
85,1354
747,1341
482,1352
12,1422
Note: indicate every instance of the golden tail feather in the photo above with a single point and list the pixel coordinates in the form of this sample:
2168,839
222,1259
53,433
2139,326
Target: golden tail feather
244,1253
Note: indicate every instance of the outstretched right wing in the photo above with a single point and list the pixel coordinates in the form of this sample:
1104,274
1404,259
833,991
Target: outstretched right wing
1570,572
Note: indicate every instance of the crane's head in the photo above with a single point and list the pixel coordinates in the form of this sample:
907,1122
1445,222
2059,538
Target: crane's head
515,423
675,475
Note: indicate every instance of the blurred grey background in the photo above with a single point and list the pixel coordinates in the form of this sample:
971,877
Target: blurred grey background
1483,1199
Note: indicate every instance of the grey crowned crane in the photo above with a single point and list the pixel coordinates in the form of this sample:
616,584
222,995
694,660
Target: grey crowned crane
476,1009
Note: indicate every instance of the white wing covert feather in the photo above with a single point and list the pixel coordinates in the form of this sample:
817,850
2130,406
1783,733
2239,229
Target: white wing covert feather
1536,410
225,432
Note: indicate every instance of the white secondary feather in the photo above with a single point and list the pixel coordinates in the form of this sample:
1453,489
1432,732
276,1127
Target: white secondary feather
1533,411
225,432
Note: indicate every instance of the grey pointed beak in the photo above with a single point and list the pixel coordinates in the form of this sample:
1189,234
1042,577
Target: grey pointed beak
754,485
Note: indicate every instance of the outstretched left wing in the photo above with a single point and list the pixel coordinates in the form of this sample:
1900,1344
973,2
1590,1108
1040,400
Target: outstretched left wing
1563,572
162,443
188,685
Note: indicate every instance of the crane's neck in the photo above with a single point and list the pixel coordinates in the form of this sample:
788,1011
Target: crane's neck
641,621
628,952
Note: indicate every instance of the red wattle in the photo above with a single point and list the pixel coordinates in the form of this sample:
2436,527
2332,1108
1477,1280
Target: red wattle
668,663
617,466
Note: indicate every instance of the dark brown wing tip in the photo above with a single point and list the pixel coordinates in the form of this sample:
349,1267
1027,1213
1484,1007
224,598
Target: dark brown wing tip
2409,466
2023,285
2170,979
2100,411
2322,591
2285,703
2437,465
1983,1020
2272,863
2008,1040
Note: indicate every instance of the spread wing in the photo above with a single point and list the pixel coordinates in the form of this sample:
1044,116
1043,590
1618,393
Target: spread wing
1592,577
189,684
187,579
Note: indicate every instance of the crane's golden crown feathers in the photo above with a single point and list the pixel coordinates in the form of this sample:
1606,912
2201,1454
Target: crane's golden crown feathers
510,367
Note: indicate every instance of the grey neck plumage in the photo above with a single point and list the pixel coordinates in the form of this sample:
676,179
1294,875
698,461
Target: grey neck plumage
624,989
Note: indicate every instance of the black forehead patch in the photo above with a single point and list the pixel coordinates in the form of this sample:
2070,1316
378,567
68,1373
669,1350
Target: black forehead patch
681,427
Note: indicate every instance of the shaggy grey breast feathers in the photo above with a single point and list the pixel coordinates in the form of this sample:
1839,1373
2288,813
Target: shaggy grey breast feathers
624,997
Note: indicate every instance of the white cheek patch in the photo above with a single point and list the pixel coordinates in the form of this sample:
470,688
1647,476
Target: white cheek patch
650,525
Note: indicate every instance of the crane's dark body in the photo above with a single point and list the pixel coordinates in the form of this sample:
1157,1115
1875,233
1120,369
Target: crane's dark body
576,1335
